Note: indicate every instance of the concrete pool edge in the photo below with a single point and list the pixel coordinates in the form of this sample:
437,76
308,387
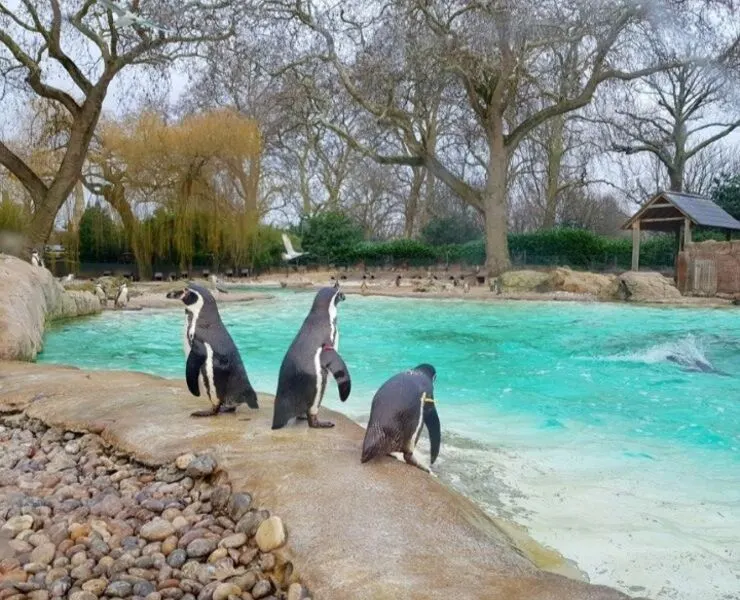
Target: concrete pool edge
384,544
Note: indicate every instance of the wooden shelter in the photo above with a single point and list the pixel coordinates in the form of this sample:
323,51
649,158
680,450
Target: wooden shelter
678,212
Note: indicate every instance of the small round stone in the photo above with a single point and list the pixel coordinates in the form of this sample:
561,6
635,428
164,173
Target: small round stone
177,558
201,466
144,588
224,590
239,505
235,540
17,524
201,547
119,589
261,589
95,586
270,534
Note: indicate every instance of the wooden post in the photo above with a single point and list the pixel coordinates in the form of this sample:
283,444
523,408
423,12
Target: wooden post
636,246
686,233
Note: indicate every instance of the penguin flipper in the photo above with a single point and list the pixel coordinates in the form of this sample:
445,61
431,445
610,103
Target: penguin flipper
431,420
195,361
333,362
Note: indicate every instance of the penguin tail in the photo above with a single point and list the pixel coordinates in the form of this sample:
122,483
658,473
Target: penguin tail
373,445
250,397
281,413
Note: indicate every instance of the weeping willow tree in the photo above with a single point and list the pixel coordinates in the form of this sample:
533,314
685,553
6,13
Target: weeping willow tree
183,188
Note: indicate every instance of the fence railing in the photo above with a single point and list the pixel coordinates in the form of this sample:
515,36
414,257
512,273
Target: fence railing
521,260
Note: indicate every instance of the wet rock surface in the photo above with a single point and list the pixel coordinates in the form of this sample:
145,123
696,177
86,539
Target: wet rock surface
80,520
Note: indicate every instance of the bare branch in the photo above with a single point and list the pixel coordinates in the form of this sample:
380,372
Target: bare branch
32,182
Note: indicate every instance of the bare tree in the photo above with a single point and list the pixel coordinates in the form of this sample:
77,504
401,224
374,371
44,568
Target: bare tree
675,116
82,45
492,54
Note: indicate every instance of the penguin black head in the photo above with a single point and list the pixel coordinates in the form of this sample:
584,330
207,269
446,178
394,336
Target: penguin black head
326,297
427,369
195,295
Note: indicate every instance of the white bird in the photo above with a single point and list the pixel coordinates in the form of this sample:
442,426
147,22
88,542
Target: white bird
122,297
127,18
100,293
290,253
69,278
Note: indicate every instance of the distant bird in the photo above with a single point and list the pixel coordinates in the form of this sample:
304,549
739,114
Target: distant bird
290,253
122,297
466,287
69,277
36,260
100,293
126,18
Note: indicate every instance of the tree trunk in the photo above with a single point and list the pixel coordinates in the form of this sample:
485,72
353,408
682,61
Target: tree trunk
47,206
675,175
412,203
495,204
554,161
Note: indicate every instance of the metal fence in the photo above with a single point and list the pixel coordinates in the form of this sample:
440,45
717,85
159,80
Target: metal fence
522,260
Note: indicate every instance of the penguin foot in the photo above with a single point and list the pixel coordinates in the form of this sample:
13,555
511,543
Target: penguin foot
226,409
302,418
411,459
313,422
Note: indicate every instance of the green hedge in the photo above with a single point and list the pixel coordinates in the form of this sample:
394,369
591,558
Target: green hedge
572,247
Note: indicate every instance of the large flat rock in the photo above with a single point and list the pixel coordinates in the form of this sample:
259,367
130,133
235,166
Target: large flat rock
30,297
382,530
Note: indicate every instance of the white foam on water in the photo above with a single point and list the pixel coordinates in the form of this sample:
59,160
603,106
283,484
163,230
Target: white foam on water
687,351
659,524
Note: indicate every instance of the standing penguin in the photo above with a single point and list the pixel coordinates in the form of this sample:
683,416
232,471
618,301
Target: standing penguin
313,353
100,293
36,260
399,408
212,356
122,296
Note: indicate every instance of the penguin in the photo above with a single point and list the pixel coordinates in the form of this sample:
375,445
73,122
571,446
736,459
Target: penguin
399,408
36,259
122,296
212,356
313,353
100,293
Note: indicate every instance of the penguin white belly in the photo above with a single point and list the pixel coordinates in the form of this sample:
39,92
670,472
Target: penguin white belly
314,410
186,339
210,384
334,335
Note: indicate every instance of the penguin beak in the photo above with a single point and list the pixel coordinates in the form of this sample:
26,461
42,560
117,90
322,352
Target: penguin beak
431,420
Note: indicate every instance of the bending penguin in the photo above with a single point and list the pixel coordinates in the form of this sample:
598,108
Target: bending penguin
100,293
399,408
213,359
311,356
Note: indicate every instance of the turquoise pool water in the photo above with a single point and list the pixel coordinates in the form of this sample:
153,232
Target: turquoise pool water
544,407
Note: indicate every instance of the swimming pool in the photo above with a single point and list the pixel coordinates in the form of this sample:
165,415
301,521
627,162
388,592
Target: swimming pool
611,432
